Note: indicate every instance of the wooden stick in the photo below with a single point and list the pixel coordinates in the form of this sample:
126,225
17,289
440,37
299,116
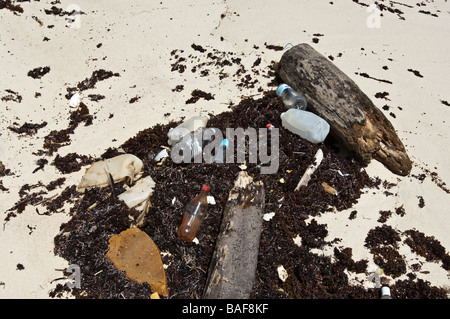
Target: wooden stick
310,170
233,267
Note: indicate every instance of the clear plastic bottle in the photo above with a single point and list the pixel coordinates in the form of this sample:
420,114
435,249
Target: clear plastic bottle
207,135
291,99
190,125
222,152
192,144
194,215
306,124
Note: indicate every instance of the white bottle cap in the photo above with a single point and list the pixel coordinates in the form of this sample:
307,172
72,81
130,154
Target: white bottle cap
385,291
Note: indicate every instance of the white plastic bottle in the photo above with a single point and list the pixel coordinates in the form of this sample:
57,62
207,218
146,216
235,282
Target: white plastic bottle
291,99
306,124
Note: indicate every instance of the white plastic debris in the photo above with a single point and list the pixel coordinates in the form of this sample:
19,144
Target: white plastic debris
268,216
342,174
75,100
211,200
195,241
139,193
282,273
124,167
161,155
297,240
165,254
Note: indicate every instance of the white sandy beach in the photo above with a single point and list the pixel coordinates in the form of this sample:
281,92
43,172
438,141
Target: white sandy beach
136,38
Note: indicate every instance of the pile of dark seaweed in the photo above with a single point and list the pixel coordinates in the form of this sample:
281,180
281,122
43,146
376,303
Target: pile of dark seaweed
95,218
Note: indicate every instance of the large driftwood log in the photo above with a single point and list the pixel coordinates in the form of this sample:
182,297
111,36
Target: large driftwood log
353,118
233,266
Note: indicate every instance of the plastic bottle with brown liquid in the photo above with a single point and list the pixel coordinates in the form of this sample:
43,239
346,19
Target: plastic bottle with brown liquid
194,215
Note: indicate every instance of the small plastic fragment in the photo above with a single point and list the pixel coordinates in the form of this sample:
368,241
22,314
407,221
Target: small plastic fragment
211,200
161,155
282,273
297,240
139,193
268,216
342,174
75,100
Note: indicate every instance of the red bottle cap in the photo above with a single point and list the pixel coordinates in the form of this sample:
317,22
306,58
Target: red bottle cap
206,188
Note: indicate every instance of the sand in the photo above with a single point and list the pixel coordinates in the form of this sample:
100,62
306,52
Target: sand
135,39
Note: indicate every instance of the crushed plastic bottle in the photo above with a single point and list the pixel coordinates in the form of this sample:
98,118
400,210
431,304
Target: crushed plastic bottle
385,293
291,99
222,152
194,215
306,124
191,125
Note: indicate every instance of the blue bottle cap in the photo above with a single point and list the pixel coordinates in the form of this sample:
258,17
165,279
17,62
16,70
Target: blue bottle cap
281,88
225,143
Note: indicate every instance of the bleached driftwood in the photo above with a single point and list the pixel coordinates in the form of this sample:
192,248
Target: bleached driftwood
310,170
